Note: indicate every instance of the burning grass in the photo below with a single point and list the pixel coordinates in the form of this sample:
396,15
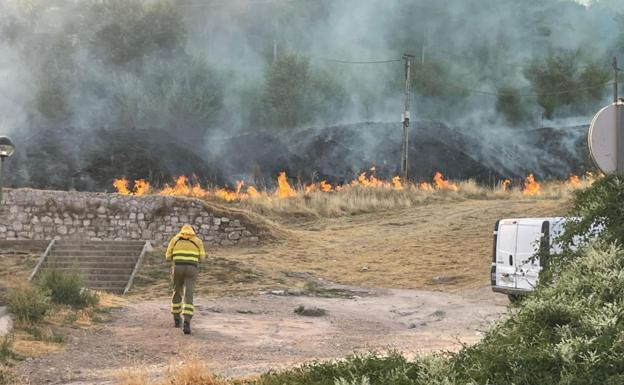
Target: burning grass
364,194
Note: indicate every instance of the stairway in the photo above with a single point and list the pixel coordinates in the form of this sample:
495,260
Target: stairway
105,265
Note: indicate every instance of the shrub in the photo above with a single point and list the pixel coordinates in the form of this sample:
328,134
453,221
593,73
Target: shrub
6,352
370,369
28,304
67,288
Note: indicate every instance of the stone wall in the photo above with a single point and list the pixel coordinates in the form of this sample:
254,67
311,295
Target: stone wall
38,214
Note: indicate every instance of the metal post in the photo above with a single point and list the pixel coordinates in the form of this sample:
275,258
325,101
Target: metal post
406,117
615,80
1,180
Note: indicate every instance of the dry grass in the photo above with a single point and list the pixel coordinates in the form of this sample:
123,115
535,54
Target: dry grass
400,248
353,200
192,371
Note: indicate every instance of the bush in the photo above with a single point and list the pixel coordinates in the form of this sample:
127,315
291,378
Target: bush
28,304
67,288
371,369
570,330
6,343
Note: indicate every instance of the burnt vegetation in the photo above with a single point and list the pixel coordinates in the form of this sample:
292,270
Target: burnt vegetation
154,89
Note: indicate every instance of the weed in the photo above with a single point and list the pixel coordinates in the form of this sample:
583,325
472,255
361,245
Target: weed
70,318
310,311
47,334
67,288
28,304
7,376
6,345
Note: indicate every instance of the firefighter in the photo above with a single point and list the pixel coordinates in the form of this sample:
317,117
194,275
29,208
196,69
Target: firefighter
186,250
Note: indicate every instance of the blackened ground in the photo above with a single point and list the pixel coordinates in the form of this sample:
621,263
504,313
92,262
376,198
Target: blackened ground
340,153
91,159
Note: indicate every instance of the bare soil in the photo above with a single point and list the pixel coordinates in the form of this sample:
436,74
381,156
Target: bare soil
249,335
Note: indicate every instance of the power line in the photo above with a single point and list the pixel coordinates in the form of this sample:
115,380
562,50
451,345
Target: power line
477,91
359,62
559,92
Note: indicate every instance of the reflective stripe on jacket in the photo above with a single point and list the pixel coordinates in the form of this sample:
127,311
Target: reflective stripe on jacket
185,250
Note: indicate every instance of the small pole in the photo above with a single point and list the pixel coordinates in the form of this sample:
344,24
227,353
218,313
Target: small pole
274,50
406,117
1,179
615,80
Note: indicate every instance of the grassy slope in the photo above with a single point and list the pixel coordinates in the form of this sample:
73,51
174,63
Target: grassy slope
402,248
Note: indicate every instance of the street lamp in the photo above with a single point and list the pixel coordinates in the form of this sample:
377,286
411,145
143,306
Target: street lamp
6,150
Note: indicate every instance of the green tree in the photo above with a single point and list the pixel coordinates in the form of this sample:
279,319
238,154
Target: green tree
286,81
136,28
560,81
509,103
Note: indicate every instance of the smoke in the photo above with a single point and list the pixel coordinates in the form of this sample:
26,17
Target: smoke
198,71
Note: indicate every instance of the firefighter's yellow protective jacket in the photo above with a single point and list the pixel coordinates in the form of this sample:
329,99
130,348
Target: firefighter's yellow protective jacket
185,248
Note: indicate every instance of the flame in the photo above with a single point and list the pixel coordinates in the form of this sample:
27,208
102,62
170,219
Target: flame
122,186
396,182
252,192
574,181
283,188
531,187
310,188
442,184
184,186
370,181
141,187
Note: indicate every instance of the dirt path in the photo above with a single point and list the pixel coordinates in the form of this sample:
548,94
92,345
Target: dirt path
249,335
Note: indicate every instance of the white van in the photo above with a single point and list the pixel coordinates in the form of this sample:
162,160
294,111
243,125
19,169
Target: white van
515,268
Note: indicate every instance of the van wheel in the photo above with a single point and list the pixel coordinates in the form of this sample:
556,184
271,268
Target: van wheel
515,298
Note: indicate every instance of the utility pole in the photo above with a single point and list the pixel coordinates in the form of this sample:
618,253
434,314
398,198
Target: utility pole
615,79
406,117
274,50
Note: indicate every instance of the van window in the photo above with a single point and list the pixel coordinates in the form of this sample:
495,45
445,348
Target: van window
507,238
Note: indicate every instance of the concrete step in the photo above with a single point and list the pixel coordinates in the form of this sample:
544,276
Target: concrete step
91,270
103,253
112,290
112,284
62,243
118,276
95,278
92,258
106,265
136,249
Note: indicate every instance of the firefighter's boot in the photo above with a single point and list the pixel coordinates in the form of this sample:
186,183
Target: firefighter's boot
177,321
187,327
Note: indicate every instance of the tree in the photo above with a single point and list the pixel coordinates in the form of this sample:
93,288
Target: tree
559,81
137,29
286,81
510,104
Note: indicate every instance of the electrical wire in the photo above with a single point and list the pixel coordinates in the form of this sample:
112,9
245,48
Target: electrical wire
358,62
560,92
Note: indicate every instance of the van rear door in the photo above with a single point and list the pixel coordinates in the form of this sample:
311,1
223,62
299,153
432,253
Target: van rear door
527,266
505,254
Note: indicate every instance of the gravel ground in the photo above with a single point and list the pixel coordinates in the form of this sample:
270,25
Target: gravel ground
241,336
